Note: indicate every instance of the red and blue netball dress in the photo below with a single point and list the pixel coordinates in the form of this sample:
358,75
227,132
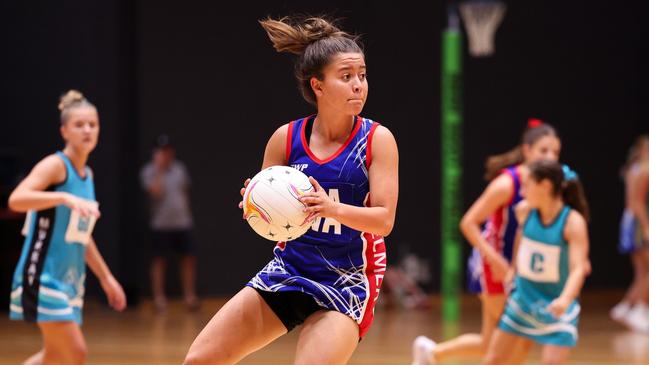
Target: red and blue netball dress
500,233
340,267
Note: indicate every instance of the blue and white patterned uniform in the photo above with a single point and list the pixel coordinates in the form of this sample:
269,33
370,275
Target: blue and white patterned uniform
340,267
542,265
48,284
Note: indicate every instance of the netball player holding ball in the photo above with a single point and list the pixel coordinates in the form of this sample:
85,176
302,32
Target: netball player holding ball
328,279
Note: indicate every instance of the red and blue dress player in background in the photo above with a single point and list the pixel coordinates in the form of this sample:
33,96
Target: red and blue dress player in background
327,280
493,243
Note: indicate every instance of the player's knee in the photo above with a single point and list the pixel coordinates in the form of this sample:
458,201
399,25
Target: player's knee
79,353
485,341
75,354
197,358
491,359
194,359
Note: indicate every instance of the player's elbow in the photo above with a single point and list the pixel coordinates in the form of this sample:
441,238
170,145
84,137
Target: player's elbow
465,225
584,269
386,228
14,203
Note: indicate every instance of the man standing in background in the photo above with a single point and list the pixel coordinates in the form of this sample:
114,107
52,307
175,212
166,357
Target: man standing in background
167,183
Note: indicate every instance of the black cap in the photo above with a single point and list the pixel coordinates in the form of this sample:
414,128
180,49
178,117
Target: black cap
163,141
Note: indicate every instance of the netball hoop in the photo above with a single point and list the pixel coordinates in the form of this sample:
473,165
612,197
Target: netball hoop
481,19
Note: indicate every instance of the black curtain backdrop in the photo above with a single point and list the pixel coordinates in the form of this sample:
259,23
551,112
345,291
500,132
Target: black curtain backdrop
211,80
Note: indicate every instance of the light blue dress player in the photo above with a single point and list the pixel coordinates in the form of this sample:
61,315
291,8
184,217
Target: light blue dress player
542,270
48,284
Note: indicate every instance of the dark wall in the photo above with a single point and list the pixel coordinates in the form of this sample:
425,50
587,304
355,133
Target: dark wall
46,50
211,79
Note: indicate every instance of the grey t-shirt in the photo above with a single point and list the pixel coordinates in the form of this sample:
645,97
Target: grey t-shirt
171,210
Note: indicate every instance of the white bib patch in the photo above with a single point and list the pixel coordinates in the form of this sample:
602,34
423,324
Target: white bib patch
80,228
538,261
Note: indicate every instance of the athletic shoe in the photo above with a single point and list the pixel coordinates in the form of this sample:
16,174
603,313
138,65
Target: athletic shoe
422,351
638,318
620,311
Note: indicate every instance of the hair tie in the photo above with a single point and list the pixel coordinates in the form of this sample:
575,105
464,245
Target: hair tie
534,122
569,174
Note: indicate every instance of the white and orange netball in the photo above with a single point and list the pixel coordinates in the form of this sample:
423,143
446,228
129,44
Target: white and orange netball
271,204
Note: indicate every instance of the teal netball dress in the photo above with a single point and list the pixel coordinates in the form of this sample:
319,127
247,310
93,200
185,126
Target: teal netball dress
542,270
48,284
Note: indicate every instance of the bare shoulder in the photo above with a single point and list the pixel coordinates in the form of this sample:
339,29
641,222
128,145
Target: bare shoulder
383,142
502,184
49,170
278,138
576,225
383,146
282,131
277,148
575,219
383,135
51,164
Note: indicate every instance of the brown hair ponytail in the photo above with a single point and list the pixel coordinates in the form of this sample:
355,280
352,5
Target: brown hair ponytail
564,181
315,40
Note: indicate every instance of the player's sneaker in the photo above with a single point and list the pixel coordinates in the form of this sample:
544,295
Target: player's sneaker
620,311
422,351
637,319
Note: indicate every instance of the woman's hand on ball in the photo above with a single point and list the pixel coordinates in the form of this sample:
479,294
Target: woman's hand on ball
243,191
318,203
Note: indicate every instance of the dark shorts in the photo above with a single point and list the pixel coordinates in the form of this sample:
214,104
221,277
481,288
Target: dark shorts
291,307
164,243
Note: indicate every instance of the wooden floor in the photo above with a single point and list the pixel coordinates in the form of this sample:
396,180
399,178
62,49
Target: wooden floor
139,336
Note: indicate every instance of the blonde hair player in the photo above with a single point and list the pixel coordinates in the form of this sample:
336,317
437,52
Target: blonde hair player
328,279
493,246
59,198
550,268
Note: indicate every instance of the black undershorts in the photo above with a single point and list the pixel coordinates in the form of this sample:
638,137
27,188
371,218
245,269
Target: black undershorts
291,307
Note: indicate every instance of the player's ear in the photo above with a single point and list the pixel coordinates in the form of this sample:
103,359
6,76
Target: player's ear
64,132
316,86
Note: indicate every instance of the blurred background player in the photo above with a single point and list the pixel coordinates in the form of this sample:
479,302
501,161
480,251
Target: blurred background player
550,268
167,183
633,309
59,198
493,244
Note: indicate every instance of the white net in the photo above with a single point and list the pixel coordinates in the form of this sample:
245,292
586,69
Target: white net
481,19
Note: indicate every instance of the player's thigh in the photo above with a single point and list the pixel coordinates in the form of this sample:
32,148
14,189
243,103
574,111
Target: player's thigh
63,342
244,324
327,337
492,309
499,351
642,258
